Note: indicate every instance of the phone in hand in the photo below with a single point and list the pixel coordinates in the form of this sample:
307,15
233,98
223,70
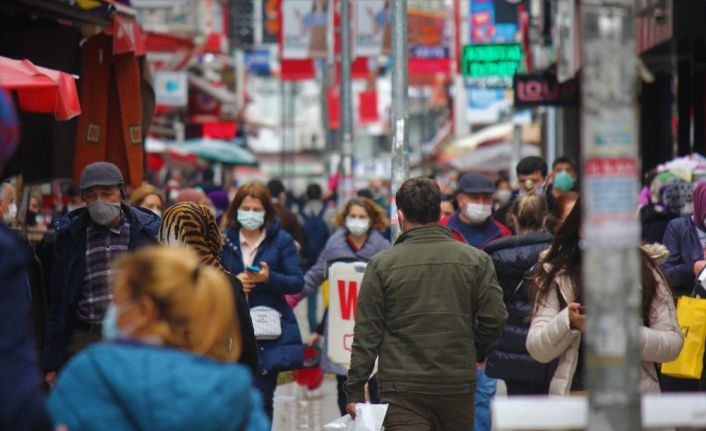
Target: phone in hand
253,268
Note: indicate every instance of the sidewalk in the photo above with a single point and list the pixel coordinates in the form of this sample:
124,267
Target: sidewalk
297,408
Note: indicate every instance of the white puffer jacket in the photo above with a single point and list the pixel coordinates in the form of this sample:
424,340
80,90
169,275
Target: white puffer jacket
550,336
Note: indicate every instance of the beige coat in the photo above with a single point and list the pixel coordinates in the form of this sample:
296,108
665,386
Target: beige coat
550,336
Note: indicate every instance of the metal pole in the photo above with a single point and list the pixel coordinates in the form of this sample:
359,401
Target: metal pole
400,113
611,232
551,133
346,184
516,150
283,126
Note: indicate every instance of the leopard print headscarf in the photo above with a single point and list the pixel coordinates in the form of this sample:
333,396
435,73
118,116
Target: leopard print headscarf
192,224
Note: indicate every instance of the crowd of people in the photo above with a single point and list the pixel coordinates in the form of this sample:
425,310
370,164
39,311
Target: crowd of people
175,311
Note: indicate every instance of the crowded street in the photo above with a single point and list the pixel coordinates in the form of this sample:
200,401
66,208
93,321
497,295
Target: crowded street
353,215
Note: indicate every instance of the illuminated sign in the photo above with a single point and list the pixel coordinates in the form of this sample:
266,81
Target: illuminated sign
491,65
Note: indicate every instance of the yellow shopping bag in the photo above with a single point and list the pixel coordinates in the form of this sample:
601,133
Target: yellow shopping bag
691,314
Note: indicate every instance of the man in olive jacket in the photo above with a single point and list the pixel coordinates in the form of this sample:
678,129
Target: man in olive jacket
428,307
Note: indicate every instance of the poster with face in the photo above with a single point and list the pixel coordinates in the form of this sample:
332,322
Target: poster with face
304,25
373,27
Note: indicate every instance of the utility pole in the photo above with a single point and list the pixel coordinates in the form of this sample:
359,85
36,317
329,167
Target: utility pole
611,232
400,112
346,185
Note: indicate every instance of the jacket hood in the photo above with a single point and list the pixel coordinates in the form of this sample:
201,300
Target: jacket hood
425,232
158,388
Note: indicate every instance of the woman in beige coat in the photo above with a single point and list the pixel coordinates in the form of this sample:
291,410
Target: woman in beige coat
559,317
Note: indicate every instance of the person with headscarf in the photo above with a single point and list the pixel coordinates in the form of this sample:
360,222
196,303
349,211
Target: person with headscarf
685,238
192,224
669,196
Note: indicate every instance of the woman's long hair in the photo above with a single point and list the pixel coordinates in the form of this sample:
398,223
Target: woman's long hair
565,256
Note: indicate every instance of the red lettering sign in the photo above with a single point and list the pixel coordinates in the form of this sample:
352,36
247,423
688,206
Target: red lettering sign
348,300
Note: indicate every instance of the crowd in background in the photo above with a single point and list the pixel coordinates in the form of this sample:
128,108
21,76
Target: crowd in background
94,274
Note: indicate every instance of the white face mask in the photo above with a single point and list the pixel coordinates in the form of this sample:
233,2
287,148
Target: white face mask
503,196
11,214
251,220
478,213
158,212
357,226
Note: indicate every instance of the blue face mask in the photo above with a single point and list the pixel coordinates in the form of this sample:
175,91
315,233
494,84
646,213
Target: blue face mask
564,181
251,220
111,330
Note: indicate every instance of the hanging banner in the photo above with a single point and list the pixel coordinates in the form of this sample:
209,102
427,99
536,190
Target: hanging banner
491,65
368,107
333,97
271,22
373,27
344,285
304,29
171,89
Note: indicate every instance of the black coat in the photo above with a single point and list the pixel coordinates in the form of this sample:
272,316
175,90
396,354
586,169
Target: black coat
654,223
513,257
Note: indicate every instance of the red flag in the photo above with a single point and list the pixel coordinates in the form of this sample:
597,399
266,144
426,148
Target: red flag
368,106
334,108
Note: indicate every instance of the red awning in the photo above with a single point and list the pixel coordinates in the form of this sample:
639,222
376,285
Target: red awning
40,89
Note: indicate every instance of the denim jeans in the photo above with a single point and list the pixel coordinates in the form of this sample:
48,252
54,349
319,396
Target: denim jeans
485,391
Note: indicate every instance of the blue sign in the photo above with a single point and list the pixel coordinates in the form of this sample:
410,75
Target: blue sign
258,61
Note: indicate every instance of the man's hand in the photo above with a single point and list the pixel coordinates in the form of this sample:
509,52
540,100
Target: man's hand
50,378
698,267
350,408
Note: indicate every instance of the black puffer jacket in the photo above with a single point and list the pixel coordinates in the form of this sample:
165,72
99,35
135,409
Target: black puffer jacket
513,257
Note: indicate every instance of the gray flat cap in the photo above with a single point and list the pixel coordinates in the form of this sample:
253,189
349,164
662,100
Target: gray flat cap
474,183
100,174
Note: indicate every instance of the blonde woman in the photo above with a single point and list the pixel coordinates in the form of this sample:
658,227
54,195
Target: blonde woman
168,359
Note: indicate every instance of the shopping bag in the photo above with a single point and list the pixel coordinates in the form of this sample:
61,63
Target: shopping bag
691,314
368,417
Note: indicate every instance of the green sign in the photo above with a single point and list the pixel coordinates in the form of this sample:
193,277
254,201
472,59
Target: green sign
491,65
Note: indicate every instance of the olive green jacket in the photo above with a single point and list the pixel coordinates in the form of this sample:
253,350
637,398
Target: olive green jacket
428,307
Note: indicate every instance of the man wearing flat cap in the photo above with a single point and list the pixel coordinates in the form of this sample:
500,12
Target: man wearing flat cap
87,241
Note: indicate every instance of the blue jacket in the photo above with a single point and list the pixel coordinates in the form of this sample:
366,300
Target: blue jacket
514,257
118,386
478,235
280,253
21,395
68,270
684,250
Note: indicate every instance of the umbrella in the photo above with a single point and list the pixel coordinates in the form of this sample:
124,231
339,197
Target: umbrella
218,151
492,158
40,89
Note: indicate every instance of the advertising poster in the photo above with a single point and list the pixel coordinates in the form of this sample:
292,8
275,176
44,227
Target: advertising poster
304,29
344,285
270,21
373,27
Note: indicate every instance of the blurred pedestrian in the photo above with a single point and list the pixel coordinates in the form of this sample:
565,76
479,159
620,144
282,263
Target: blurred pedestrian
668,201
503,193
530,168
148,197
167,363
562,179
264,258
88,240
685,238
447,206
514,257
220,203
8,205
192,225
287,218
562,207
559,314
428,307
22,401
357,239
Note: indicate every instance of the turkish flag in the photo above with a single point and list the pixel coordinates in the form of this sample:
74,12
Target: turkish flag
368,106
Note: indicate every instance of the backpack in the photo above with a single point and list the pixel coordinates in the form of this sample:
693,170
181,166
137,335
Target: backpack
317,234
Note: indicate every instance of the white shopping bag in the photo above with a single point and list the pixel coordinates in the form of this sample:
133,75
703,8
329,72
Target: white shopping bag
368,417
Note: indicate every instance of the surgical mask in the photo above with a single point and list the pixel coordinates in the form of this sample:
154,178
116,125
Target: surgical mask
104,213
503,196
251,220
478,213
11,214
111,330
158,212
357,226
564,181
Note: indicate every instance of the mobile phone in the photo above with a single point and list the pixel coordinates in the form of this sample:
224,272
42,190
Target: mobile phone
253,268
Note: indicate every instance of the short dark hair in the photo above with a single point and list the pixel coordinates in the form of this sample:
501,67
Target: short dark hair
275,188
73,191
365,193
314,192
419,199
530,165
563,159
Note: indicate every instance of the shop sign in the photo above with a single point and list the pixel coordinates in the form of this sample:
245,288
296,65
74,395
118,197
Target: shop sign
544,90
241,26
491,65
258,61
171,89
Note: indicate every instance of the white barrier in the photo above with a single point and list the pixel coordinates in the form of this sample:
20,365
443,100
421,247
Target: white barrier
570,413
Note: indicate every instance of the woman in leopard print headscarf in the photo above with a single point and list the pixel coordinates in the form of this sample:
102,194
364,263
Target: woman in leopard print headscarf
193,225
